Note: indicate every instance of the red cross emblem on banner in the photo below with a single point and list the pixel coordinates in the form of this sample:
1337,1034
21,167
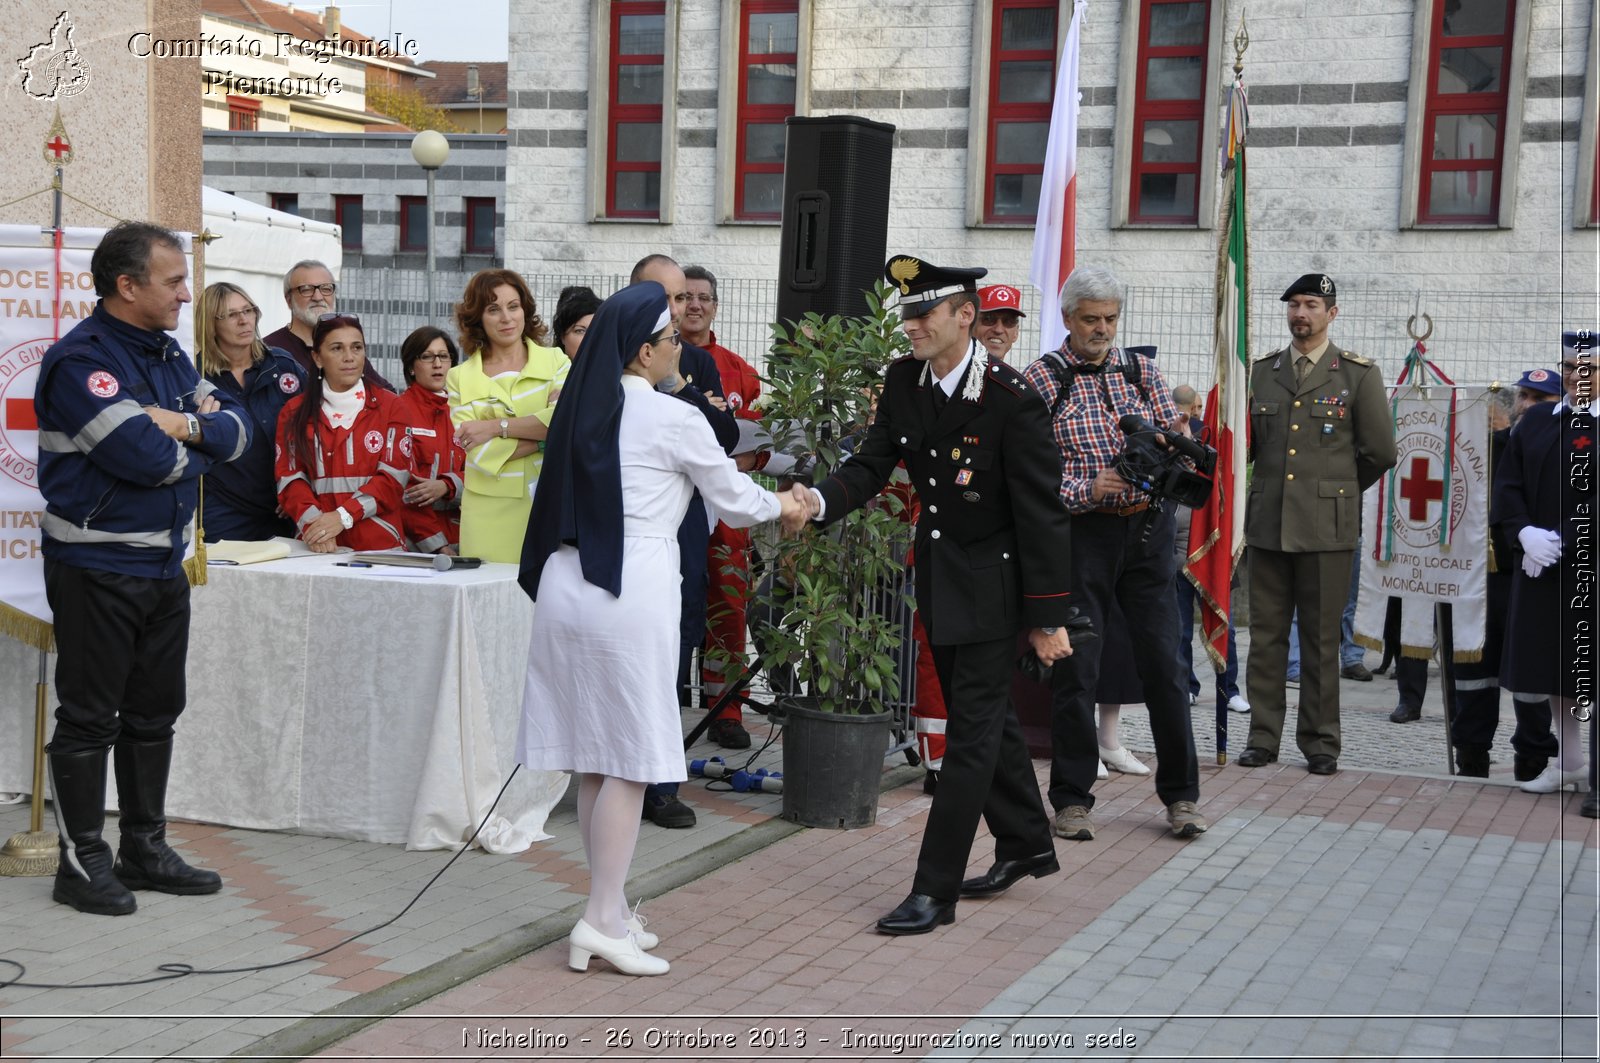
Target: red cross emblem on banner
1418,487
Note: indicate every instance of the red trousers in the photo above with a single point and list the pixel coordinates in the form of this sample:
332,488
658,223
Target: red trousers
728,565
928,714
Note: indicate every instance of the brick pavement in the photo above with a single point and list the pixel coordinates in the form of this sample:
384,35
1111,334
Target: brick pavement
1367,913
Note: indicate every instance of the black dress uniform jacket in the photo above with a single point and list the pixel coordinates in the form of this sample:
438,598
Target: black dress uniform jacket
993,539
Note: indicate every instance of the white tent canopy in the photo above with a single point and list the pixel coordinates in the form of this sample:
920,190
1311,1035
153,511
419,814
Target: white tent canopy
257,245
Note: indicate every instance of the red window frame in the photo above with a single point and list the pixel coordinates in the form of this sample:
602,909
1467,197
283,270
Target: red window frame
758,113
632,112
478,240
244,114
288,202
410,240
1439,105
1003,113
350,236
1148,110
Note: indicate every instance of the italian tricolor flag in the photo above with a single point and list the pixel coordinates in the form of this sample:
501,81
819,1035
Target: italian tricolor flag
1216,533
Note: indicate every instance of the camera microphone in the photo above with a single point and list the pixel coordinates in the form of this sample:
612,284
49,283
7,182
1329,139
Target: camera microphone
1133,424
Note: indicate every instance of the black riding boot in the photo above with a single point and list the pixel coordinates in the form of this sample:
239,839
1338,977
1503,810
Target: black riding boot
84,878
144,859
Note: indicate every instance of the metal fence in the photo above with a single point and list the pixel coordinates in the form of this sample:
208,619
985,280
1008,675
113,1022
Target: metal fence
1478,336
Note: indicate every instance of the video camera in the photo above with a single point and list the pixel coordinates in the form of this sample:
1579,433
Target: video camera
1159,471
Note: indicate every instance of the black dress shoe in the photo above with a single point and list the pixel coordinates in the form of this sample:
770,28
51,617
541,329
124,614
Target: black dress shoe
1406,714
1005,873
918,914
1527,769
930,782
1322,764
1255,757
1591,805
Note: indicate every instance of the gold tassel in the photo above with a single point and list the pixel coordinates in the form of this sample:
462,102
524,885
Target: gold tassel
195,567
16,624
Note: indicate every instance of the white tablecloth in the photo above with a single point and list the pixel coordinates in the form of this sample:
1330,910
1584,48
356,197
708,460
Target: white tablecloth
344,702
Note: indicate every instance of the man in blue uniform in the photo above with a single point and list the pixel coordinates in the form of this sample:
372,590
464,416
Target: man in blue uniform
126,429
992,561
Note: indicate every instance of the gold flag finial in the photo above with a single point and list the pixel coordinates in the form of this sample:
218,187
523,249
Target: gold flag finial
57,145
1241,41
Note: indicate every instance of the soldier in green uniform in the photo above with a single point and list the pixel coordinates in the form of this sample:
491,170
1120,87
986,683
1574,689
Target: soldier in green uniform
1320,434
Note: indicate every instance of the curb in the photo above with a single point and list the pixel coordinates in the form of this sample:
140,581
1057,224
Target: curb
310,1035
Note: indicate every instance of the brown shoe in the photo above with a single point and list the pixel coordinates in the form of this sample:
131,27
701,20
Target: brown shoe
1073,823
1186,820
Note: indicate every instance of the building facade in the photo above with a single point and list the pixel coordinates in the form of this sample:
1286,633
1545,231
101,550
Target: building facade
1436,156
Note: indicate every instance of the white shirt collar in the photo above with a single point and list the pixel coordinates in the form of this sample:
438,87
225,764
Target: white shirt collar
950,380
1593,409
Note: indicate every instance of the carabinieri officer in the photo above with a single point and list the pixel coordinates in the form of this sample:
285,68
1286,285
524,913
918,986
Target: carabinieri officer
992,560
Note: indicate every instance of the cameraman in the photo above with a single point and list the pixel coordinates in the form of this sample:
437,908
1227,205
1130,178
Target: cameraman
1088,385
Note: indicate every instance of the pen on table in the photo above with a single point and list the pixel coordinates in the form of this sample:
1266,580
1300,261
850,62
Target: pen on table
352,564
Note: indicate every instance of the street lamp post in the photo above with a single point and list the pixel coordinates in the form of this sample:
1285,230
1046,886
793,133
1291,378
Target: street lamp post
430,149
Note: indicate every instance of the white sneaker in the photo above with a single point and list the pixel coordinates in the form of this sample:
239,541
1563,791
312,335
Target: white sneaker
1100,771
1123,761
1238,704
1553,778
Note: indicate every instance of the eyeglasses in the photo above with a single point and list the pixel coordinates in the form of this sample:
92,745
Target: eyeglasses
435,356
999,317
304,291
673,338
695,297
240,316
354,319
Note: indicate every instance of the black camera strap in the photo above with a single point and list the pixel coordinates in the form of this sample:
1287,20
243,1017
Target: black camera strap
1066,374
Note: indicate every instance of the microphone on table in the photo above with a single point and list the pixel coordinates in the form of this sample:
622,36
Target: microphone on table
444,562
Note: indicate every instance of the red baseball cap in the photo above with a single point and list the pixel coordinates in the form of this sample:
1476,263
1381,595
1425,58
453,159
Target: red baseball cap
1000,297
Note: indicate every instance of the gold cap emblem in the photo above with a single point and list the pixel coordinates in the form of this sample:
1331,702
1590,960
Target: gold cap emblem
905,270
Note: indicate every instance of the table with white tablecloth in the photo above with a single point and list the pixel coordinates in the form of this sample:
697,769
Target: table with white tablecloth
352,702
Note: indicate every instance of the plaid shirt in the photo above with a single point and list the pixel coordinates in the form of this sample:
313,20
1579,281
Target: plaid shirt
1085,426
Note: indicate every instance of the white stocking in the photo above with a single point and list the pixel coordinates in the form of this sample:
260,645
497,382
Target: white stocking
609,840
1110,717
1568,734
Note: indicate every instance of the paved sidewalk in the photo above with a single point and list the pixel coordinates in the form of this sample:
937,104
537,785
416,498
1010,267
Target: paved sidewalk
1369,914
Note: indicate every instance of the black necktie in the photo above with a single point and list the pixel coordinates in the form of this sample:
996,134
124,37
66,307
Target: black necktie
939,398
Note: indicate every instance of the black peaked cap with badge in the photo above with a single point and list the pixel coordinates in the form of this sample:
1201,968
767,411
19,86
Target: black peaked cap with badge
923,286
1318,284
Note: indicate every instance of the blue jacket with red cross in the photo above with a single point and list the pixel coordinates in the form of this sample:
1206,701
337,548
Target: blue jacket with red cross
119,493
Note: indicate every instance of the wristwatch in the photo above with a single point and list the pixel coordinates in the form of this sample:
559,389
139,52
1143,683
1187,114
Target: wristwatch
194,428
505,426
1049,630
345,518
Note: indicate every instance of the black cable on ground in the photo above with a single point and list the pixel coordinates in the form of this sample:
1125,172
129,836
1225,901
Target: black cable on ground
173,971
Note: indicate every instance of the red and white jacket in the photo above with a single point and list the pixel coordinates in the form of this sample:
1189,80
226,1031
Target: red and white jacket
426,440
359,470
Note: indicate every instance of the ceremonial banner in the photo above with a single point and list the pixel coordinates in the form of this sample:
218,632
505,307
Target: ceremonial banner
1426,522
35,308
1216,531
1055,228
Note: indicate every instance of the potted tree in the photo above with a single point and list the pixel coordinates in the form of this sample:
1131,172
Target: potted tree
841,592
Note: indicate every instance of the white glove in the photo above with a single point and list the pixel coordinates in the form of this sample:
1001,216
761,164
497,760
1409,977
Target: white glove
1531,567
1540,545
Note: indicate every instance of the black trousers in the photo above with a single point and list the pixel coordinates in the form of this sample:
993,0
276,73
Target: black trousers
1109,560
987,772
121,643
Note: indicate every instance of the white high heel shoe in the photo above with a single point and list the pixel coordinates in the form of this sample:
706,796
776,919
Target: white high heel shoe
634,924
1553,778
623,953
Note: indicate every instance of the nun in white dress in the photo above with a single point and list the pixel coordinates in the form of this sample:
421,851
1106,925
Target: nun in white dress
601,561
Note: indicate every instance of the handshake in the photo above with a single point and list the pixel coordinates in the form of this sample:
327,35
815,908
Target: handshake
800,507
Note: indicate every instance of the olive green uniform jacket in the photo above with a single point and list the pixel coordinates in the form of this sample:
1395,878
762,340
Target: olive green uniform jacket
1317,446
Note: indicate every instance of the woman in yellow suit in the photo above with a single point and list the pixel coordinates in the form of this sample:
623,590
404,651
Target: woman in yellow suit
501,401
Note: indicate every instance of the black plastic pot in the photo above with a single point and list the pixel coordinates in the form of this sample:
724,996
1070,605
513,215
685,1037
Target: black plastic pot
832,766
